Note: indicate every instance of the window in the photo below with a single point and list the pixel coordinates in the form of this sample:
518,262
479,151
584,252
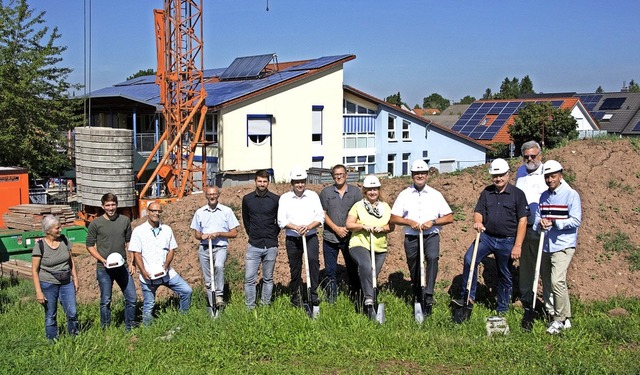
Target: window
258,129
405,130
391,128
391,163
359,140
405,163
211,128
353,108
362,163
316,124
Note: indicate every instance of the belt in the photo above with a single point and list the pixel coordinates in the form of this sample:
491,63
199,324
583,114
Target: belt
300,237
207,245
414,236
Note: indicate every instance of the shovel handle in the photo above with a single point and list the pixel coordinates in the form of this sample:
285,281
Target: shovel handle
472,268
211,272
423,271
373,262
305,254
537,273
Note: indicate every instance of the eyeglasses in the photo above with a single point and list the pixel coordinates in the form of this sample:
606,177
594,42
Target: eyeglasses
155,211
530,156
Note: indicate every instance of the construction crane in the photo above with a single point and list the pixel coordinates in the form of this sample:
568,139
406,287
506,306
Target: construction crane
180,76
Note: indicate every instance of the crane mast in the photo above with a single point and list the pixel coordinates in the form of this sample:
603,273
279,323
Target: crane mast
179,47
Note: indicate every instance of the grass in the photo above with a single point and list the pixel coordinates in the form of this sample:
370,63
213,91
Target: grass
620,242
282,340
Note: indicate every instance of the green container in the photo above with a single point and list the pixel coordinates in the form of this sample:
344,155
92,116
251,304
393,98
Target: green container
16,244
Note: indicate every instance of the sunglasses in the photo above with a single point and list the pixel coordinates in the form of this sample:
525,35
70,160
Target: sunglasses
530,156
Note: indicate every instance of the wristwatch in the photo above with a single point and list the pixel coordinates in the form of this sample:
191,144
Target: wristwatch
433,222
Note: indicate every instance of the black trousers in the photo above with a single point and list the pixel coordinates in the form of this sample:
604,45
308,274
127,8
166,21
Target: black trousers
295,255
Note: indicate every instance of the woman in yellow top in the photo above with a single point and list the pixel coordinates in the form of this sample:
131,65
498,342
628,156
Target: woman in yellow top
369,216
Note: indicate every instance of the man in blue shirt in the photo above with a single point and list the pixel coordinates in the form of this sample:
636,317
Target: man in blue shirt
559,215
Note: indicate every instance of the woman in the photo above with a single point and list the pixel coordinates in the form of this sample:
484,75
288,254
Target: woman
369,216
54,277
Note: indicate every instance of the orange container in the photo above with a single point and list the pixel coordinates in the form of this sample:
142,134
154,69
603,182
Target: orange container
14,189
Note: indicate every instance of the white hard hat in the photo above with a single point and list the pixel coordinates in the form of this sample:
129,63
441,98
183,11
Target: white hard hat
297,173
419,166
551,166
115,260
156,272
499,166
371,181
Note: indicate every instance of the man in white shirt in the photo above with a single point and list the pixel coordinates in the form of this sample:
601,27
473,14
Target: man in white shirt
153,246
300,213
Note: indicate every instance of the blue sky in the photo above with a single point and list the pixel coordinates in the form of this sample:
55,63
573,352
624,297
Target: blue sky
454,48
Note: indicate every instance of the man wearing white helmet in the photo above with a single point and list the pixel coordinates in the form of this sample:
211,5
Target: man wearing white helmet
300,214
421,208
530,179
337,200
500,216
559,215
153,246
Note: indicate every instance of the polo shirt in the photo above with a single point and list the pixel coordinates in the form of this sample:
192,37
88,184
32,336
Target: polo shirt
533,185
564,232
218,219
420,206
300,210
502,211
337,207
154,247
260,219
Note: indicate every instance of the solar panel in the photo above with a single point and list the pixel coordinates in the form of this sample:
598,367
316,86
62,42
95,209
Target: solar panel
590,101
246,67
611,103
637,127
557,103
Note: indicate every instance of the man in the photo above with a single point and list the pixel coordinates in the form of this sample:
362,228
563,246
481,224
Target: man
530,180
421,207
559,215
300,213
336,201
107,234
260,219
501,218
153,246
216,222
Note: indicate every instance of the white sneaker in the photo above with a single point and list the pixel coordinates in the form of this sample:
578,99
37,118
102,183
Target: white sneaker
555,327
567,324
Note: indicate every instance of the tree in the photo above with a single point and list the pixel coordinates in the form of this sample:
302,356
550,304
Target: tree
599,90
487,94
142,73
35,109
633,86
394,99
467,100
436,100
526,86
537,118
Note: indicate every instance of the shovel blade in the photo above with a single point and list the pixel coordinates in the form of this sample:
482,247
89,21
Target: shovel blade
315,312
462,314
528,318
380,315
418,313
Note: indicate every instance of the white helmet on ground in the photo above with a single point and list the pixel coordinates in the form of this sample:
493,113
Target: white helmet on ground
156,272
115,260
499,166
371,181
419,166
551,166
297,173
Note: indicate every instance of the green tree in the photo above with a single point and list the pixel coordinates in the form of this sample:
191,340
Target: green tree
537,118
633,86
526,86
467,99
599,90
142,73
487,94
436,100
35,109
394,99
509,89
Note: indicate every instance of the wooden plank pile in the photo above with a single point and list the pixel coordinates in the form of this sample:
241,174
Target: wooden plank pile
29,216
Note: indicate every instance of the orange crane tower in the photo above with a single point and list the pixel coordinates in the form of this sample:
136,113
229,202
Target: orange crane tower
180,76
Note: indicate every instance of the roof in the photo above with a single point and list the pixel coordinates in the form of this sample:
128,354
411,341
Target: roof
617,112
450,115
412,115
222,93
488,121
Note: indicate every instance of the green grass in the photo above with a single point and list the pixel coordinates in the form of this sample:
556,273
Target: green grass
282,340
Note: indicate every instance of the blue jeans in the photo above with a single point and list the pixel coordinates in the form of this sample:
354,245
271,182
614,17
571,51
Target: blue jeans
362,258
121,276
66,294
330,251
219,258
176,283
255,256
501,250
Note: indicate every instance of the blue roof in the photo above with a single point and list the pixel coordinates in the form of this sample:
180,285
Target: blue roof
143,89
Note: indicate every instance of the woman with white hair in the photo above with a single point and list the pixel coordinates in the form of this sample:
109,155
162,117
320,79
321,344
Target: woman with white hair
54,277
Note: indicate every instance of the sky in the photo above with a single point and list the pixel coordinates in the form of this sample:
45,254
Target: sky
454,48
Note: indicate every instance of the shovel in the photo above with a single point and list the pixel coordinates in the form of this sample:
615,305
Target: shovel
378,309
312,311
463,313
212,297
530,313
420,309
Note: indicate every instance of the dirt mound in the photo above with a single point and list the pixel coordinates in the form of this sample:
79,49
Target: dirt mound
604,172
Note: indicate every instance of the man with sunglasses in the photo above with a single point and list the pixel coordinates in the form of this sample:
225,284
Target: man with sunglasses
421,209
530,179
153,246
